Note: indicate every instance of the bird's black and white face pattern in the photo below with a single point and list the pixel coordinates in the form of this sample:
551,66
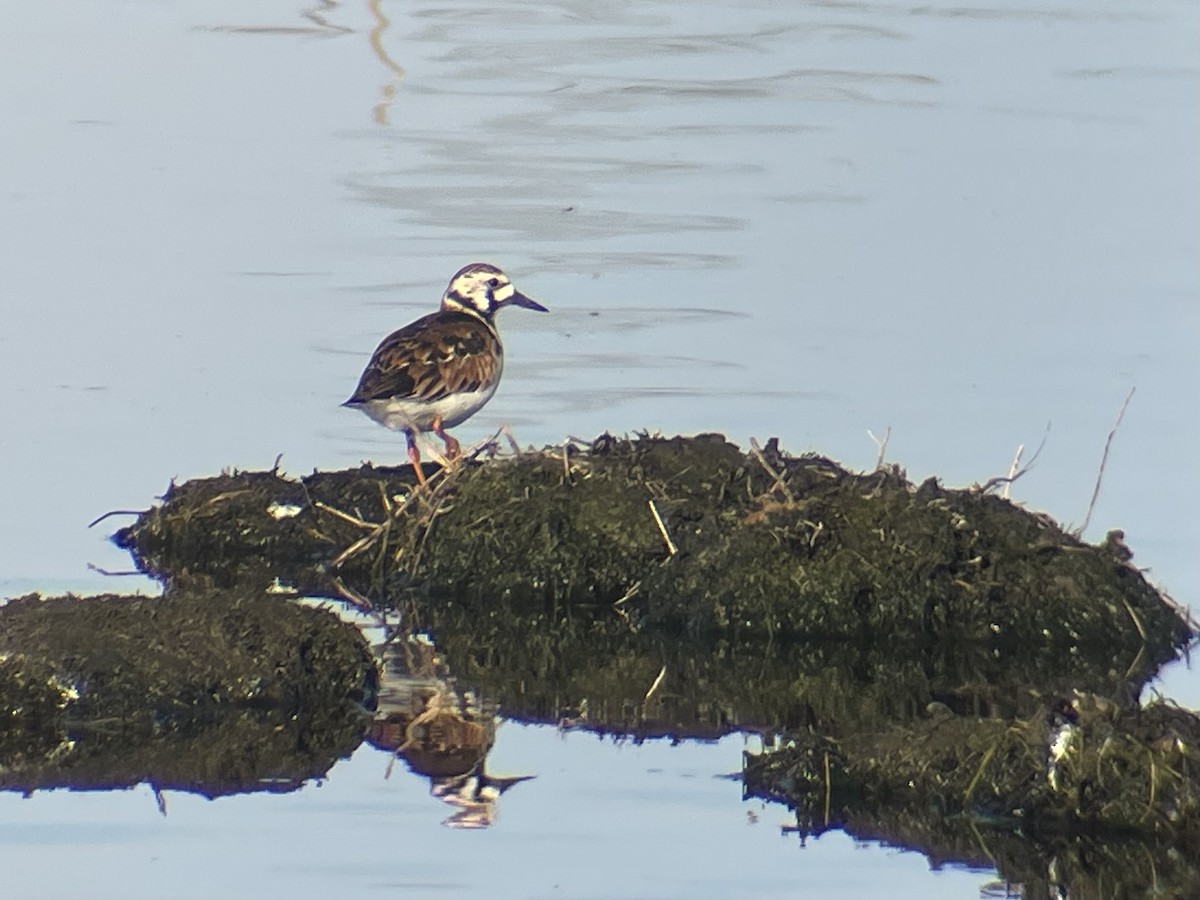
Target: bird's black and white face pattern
480,289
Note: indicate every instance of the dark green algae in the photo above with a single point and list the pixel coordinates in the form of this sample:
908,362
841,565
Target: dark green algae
907,640
779,594
777,546
1118,798
211,692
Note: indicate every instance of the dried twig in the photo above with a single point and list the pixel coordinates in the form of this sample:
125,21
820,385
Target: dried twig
1182,611
1103,462
983,764
379,530
1013,469
657,684
420,548
95,568
779,484
488,445
881,444
629,594
352,596
1013,476
828,786
115,512
358,546
662,529
619,604
512,441
1137,622
345,517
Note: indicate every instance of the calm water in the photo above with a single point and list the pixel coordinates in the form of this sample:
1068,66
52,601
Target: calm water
803,220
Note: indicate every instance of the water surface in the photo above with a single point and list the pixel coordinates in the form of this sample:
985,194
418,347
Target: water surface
810,220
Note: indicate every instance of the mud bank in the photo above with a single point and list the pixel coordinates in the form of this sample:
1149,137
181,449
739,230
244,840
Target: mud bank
214,693
683,536
1084,793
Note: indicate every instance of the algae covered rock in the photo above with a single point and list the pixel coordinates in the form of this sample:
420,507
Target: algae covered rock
681,536
213,692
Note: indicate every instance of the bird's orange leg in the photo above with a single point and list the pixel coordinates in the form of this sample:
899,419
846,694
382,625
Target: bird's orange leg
414,457
453,450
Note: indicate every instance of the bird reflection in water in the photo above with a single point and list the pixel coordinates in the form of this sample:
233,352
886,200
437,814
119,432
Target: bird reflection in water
440,732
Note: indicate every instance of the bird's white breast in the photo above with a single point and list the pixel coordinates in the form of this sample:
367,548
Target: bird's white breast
401,414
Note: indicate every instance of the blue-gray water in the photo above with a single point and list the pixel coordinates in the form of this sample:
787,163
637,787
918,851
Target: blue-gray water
803,220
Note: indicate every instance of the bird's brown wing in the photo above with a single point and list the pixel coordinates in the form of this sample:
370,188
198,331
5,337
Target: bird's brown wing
440,354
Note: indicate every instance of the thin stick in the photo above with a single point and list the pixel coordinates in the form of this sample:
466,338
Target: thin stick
352,596
1013,469
346,517
881,444
420,548
358,546
383,498
1184,612
987,758
1103,461
1153,786
1137,623
1001,479
980,842
757,453
488,444
657,684
662,529
1138,662
828,787
95,568
377,532
512,441
629,594
115,512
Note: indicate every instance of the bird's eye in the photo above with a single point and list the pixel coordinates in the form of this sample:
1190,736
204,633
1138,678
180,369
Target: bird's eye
493,283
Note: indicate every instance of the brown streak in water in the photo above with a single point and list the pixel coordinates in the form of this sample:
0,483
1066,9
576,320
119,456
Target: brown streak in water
388,91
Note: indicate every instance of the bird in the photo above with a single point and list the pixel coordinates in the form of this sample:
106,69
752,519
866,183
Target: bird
437,372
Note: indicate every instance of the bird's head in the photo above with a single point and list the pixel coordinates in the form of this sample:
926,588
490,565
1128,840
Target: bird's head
481,289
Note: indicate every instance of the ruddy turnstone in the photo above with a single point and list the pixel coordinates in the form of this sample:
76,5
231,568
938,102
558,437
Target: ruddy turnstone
440,370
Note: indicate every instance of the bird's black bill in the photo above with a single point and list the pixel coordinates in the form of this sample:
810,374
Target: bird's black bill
519,299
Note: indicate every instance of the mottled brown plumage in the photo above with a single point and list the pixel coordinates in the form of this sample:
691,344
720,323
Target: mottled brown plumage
442,353
441,369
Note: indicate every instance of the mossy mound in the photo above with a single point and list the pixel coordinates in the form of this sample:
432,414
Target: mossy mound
685,535
213,690
244,528
1083,765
